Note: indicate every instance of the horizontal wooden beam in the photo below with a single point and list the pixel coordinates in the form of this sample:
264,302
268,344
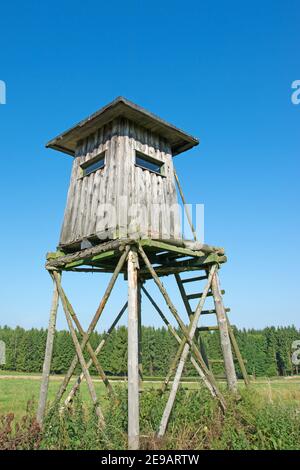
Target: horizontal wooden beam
202,261
149,243
221,361
211,312
207,328
199,294
195,246
197,264
101,256
61,261
98,255
193,279
55,254
90,270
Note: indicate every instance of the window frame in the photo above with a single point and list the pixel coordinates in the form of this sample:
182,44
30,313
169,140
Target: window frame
143,156
85,165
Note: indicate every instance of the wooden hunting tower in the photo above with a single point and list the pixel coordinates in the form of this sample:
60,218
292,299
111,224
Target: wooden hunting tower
122,183
122,217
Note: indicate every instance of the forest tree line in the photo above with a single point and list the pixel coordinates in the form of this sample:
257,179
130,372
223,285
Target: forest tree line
267,352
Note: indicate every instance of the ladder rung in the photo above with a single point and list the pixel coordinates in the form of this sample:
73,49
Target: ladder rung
199,294
192,279
210,312
208,328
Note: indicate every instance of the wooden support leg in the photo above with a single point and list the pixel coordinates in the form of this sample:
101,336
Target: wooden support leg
224,334
48,356
133,352
185,206
97,352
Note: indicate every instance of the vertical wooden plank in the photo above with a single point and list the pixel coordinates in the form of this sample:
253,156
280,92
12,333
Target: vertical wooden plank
110,196
48,356
101,212
186,208
123,175
166,199
71,207
135,180
77,196
92,178
155,202
88,205
224,334
139,189
133,353
145,192
176,211
85,189
131,180
96,186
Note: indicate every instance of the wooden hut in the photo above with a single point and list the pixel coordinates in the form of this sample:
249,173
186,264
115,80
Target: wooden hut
122,183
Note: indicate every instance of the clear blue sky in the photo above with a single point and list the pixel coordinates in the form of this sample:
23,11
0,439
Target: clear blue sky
220,70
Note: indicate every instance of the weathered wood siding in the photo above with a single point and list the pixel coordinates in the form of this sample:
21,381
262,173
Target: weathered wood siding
108,202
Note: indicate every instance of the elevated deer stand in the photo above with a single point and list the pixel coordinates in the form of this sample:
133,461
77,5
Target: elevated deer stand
124,152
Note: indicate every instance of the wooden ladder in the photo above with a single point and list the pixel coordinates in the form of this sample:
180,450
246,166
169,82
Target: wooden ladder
186,298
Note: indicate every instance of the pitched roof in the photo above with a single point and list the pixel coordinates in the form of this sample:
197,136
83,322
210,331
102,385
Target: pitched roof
67,141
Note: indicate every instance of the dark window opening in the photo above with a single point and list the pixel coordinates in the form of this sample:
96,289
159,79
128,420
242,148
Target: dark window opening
149,163
94,164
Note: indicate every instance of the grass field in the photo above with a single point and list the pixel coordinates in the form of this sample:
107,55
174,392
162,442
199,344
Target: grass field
17,389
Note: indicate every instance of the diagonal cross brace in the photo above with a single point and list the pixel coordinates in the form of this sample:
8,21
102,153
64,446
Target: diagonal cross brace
179,340
93,323
179,351
81,359
184,354
97,352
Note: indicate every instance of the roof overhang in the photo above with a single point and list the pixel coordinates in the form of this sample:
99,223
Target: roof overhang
121,107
